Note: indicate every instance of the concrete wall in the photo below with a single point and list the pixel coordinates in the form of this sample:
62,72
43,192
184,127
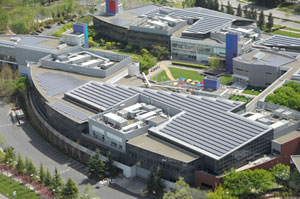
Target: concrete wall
259,75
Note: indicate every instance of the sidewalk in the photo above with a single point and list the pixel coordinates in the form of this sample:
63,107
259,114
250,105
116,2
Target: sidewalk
2,196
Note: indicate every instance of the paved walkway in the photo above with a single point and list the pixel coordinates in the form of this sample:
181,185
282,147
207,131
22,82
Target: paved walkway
168,72
2,196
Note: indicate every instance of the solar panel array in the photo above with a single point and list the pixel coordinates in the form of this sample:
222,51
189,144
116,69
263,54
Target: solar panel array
205,24
207,124
100,96
56,83
145,9
70,111
278,40
120,22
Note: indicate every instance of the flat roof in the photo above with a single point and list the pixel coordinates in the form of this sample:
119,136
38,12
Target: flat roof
288,137
206,125
266,57
296,160
44,42
161,147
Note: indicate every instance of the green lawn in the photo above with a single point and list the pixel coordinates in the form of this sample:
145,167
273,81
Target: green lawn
161,77
188,74
285,33
240,98
253,90
7,186
225,80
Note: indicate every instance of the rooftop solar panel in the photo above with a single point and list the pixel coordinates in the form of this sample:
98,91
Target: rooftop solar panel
120,22
145,9
205,124
278,40
55,84
70,111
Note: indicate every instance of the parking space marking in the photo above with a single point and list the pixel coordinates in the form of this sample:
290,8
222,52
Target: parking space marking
6,125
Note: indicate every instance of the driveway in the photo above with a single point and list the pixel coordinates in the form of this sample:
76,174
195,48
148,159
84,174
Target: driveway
28,142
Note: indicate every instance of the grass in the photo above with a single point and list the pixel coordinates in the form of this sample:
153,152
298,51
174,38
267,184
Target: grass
161,77
8,185
225,79
285,33
240,98
188,74
190,65
253,90
64,28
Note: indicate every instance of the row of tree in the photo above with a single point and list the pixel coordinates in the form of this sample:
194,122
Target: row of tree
31,15
253,183
27,167
210,4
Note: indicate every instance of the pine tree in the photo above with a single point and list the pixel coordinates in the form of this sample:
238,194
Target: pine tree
151,181
31,168
70,191
57,183
96,166
20,164
239,11
159,185
270,21
261,20
255,15
222,7
216,5
109,164
229,9
42,174
10,156
246,13
48,179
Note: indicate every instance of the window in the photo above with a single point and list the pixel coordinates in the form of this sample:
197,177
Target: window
113,144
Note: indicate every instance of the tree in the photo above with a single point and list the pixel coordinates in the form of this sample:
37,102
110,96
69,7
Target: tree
261,180
2,141
57,183
70,191
48,179
10,156
183,191
96,166
215,62
281,174
216,5
270,22
110,168
229,9
261,20
88,193
222,7
154,182
160,52
42,174
20,164
294,182
246,12
239,11
20,27
220,193
4,18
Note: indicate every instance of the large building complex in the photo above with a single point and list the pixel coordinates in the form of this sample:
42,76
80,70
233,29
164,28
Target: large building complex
190,34
200,138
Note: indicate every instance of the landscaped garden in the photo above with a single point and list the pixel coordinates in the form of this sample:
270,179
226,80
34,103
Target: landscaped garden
251,90
8,186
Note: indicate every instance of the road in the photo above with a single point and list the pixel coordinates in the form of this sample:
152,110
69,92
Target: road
276,13
27,142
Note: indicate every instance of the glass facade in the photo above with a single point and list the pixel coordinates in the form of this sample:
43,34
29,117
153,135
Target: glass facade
195,51
251,151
